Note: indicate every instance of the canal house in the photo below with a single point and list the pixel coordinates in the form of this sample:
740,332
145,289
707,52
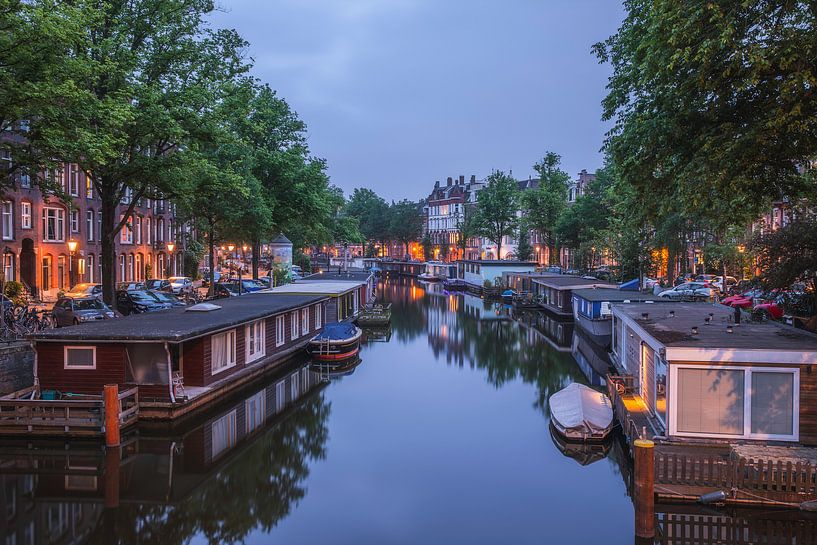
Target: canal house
699,376
179,359
592,309
475,273
345,298
556,293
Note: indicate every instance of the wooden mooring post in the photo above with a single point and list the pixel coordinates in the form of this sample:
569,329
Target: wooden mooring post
112,410
644,489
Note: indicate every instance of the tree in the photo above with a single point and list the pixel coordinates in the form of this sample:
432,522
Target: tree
712,102
147,76
524,251
428,247
543,206
371,211
497,204
405,222
467,227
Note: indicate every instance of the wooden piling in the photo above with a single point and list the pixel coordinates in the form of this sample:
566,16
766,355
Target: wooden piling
111,398
644,493
112,460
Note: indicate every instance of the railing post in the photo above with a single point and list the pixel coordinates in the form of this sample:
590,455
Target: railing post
644,496
111,398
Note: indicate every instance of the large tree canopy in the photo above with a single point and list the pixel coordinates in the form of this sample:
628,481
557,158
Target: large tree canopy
544,205
713,101
497,205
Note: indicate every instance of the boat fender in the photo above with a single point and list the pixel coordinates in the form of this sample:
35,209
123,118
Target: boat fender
712,497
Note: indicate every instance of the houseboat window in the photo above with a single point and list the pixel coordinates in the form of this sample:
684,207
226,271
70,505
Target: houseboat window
294,386
223,351
773,403
305,320
255,409
147,363
280,330
80,357
280,392
318,323
660,388
223,432
710,401
293,323
254,340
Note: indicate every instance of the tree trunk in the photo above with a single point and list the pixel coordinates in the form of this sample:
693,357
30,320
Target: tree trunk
498,247
108,255
405,243
256,250
212,261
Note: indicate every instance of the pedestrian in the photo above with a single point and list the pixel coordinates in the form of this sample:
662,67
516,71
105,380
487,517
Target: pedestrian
737,315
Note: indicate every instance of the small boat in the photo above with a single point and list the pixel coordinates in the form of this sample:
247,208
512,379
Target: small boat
584,453
581,413
428,277
336,343
508,295
375,316
337,370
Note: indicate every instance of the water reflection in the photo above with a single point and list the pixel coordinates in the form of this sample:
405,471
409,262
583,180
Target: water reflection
240,469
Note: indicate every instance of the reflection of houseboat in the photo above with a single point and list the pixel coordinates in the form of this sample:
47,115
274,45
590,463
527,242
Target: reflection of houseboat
179,359
701,377
593,360
557,330
436,271
335,343
593,313
556,293
476,273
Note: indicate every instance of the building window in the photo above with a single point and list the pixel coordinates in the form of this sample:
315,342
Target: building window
126,234
73,180
62,272
254,340
89,188
8,267
25,215
280,330
318,323
46,272
293,323
147,231
89,225
304,321
160,230
79,357
138,229
223,433
139,268
8,220
75,221
122,268
90,267
222,351
53,224
738,402
130,268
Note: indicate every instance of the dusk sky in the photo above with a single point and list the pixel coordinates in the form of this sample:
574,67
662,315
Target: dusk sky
400,93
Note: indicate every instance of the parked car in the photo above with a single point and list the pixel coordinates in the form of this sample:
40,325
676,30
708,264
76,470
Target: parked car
248,285
688,290
686,277
649,283
181,285
554,269
770,309
138,302
76,310
129,286
225,289
158,284
743,300
85,289
169,298
717,282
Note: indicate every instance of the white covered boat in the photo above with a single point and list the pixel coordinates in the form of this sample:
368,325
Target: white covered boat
581,413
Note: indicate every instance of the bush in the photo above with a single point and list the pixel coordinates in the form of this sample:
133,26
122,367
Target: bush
487,284
16,292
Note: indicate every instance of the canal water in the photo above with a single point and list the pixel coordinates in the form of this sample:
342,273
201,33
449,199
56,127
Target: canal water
439,435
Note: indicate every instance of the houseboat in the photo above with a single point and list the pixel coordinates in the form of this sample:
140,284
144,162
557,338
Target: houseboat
702,378
179,359
523,282
476,274
556,293
592,310
437,271
403,268
346,298
336,343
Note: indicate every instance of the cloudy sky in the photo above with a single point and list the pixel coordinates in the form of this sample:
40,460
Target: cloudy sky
400,93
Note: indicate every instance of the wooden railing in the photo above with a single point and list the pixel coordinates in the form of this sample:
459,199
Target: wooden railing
619,386
709,528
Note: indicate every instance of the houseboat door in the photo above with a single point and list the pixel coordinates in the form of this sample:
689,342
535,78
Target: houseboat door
646,376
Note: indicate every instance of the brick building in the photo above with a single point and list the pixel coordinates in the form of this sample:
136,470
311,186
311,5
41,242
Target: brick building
445,211
36,231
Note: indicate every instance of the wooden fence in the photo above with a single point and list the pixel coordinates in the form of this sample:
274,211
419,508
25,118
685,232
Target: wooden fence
78,416
709,529
618,388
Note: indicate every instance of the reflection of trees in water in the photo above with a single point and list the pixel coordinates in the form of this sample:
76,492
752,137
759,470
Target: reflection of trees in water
465,330
255,490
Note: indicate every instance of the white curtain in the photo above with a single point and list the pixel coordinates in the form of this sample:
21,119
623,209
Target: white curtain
219,351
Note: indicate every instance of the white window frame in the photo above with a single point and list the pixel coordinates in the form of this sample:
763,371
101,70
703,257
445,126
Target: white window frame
672,409
65,350
8,220
255,406
229,421
126,234
304,320
254,340
73,180
25,215
293,322
74,221
59,223
231,359
280,330
318,323
89,225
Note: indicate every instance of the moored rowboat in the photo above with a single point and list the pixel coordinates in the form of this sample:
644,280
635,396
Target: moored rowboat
579,412
336,343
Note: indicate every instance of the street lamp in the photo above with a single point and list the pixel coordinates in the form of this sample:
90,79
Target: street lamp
170,247
72,248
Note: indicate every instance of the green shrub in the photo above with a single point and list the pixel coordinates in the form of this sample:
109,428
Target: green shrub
15,291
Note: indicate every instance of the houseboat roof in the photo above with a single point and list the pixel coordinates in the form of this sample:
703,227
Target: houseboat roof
676,331
574,282
318,288
500,262
179,324
358,275
613,294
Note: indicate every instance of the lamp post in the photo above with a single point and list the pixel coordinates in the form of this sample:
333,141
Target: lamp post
72,248
170,247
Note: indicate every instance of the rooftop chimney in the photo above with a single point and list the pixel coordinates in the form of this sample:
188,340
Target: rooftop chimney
462,179
473,178
450,180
